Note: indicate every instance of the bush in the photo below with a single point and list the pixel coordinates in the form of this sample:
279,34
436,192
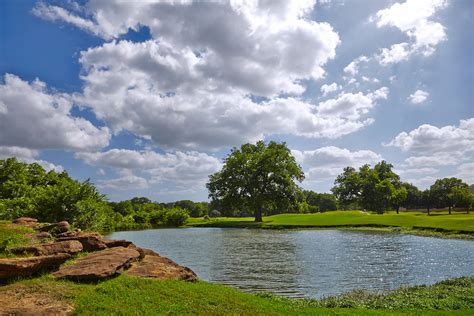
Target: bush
175,217
214,213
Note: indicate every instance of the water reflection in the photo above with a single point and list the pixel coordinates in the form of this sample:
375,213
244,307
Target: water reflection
311,263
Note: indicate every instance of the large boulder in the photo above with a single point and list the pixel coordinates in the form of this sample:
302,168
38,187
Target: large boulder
117,243
26,221
67,246
99,265
90,241
59,227
15,267
154,266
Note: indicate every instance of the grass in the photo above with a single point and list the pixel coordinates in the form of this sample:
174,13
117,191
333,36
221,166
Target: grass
135,296
457,223
12,236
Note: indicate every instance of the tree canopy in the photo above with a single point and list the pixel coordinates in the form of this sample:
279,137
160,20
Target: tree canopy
375,189
257,177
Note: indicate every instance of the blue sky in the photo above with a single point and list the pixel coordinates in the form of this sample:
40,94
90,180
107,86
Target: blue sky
145,99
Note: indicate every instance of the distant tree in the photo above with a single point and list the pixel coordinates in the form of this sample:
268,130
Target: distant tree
448,192
414,198
320,202
375,189
256,177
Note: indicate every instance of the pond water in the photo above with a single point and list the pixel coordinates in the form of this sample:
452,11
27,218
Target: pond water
309,263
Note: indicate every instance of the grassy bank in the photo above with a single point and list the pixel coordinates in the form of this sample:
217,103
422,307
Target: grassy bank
456,224
133,296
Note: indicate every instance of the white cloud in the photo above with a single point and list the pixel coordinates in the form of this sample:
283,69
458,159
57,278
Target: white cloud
466,172
428,139
440,159
413,17
419,96
351,106
263,48
326,163
28,156
35,118
192,167
126,182
394,54
353,67
326,89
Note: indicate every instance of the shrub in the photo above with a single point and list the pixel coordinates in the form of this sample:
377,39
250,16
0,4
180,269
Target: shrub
175,217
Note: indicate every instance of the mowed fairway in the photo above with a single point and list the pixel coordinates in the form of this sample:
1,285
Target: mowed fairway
456,223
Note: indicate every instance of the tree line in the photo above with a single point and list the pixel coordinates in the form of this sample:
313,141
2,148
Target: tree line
261,179
256,180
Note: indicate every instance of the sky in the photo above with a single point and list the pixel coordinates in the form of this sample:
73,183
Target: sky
146,98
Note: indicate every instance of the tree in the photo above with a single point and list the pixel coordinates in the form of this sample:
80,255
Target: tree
320,202
257,177
450,191
375,189
414,198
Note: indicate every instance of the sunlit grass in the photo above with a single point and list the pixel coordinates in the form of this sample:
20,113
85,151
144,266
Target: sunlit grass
442,221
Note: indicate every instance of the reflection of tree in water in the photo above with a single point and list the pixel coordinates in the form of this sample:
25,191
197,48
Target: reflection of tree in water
265,261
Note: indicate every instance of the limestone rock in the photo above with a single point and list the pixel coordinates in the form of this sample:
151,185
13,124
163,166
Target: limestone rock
26,221
117,243
90,241
162,268
60,227
15,267
99,265
42,235
67,246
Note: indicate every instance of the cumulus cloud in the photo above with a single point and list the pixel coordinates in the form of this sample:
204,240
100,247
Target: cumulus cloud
353,67
429,139
178,167
125,182
327,89
326,163
414,18
33,117
351,106
264,48
419,96
465,172
395,54
28,156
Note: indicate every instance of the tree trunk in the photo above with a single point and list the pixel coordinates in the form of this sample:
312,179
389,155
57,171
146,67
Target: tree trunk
258,215
449,210
398,210
428,211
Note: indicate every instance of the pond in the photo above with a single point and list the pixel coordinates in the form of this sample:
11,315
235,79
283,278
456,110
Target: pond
309,263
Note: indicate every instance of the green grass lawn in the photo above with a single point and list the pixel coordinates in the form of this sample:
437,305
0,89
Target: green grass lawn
13,236
135,296
455,223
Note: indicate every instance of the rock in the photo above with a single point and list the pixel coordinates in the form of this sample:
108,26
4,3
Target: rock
26,221
143,251
162,268
99,265
42,235
90,241
15,267
117,243
67,246
60,227
70,233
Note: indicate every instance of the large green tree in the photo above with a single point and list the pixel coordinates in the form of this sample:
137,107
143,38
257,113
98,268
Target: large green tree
449,192
375,189
257,177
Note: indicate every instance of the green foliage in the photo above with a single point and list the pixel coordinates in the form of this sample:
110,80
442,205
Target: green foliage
320,202
257,177
28,190
375,189
450,192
